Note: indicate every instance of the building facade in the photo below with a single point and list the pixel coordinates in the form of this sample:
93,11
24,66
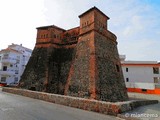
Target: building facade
12,63
141,76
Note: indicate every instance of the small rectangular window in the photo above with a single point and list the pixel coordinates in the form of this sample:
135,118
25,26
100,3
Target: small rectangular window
16,71
144,90
4,68
16,79
155,79
5,55
155,70
126,69
18,57
87,22
127,79
3,79
117,67
18,61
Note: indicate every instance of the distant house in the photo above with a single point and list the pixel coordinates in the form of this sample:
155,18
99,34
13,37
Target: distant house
141,76
12,63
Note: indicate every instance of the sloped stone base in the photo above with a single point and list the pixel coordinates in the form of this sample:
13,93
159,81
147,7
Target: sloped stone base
110,108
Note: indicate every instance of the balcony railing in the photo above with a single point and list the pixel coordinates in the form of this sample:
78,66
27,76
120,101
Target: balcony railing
7,72
8,60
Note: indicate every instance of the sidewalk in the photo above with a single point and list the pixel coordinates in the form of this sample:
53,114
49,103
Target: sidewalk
133,95
142,113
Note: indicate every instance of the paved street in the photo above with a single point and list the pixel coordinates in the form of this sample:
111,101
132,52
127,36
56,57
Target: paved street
149,110
15,107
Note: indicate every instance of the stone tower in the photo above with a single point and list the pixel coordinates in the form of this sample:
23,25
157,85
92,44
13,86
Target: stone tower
96,71
81,62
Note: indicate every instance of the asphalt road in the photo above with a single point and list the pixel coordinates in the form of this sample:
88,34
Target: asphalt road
148,112
15,107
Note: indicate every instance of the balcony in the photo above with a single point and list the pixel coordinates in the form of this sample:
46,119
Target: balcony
8,72
157,85
8,60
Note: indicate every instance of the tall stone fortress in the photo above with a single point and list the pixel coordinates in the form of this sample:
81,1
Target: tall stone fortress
80,62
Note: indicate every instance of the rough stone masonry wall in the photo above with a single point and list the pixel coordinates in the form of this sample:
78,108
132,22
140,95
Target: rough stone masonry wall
59,67
52,62
110,84
34,74
81,103
79,81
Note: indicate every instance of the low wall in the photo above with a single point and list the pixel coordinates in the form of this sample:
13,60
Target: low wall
156,91
82,103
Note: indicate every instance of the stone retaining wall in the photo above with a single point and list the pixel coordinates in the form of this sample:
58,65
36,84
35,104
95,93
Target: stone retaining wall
82,103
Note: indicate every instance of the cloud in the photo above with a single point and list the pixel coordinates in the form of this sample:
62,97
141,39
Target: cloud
158,32
64,13
143,49
137,29
135,23
19,20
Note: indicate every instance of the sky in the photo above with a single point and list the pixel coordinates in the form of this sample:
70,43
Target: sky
136,23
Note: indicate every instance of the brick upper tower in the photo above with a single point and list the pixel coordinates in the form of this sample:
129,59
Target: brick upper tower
81,62
92,19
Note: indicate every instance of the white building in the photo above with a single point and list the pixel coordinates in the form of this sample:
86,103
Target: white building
141,76
12,63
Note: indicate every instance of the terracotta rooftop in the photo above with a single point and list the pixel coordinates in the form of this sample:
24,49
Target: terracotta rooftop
93,8
46,27
73,28
14,45
10,50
